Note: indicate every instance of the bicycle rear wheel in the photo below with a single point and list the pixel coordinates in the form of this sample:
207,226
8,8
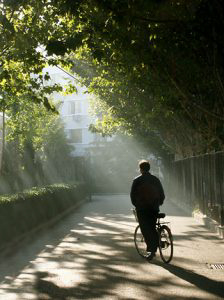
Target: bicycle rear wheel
140,244
165,243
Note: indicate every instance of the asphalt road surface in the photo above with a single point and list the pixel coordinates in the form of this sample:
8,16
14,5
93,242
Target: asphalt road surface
90,254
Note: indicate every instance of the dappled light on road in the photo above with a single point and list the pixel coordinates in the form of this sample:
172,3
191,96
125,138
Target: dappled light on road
94,258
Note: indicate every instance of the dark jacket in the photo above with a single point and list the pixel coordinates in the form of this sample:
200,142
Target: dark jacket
143,198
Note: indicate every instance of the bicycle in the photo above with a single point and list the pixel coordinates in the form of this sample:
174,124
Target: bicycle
165,239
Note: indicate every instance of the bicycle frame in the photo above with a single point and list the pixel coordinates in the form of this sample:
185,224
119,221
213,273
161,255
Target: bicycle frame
158,222
165,238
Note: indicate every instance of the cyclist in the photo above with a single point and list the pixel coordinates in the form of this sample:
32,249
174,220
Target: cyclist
147,195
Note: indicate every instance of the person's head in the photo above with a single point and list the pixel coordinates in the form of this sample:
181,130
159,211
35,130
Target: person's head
144,166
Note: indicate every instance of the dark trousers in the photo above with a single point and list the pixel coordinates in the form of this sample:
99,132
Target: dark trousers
147,222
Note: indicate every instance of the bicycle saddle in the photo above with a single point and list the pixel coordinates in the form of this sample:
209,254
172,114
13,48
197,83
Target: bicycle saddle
161,215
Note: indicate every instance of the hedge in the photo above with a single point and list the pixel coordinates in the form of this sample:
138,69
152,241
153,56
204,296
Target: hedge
21,212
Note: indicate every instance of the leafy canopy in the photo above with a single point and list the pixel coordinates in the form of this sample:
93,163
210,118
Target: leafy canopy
156,65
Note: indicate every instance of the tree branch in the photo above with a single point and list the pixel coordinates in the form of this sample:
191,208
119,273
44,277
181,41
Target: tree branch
192,102
152,20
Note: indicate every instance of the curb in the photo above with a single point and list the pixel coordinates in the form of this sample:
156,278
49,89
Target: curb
7,247
204,220
209,223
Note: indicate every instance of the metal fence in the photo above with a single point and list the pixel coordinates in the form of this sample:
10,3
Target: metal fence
198,182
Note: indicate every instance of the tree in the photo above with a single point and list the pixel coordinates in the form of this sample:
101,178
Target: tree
26,28
37,150
158,65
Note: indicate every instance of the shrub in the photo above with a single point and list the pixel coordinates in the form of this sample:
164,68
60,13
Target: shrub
24,211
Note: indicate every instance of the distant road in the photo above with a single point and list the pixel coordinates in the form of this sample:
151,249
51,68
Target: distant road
90,255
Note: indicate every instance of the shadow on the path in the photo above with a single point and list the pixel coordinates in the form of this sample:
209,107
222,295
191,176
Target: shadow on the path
96,259
106,246
103,270
194,231
20,255
202,282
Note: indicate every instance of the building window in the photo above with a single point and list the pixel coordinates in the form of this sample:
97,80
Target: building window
75,135
75,107
78,107
72,108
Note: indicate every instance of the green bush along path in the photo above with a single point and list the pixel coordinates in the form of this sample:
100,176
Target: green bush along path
22,212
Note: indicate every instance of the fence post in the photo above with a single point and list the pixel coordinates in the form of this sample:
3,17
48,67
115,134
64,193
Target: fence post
221,178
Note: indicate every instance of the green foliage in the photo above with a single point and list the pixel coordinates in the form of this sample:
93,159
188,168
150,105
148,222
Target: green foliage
58,163
26,27
158,68
22,212
158,65
37,151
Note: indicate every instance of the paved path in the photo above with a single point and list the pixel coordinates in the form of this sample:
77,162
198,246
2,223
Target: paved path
90,255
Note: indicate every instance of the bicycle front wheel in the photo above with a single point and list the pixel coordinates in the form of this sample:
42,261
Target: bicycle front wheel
165,243
139,240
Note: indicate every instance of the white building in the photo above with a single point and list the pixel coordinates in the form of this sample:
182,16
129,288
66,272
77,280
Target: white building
74,112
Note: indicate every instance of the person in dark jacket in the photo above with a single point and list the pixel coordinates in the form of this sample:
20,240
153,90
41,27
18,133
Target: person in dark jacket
147,195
